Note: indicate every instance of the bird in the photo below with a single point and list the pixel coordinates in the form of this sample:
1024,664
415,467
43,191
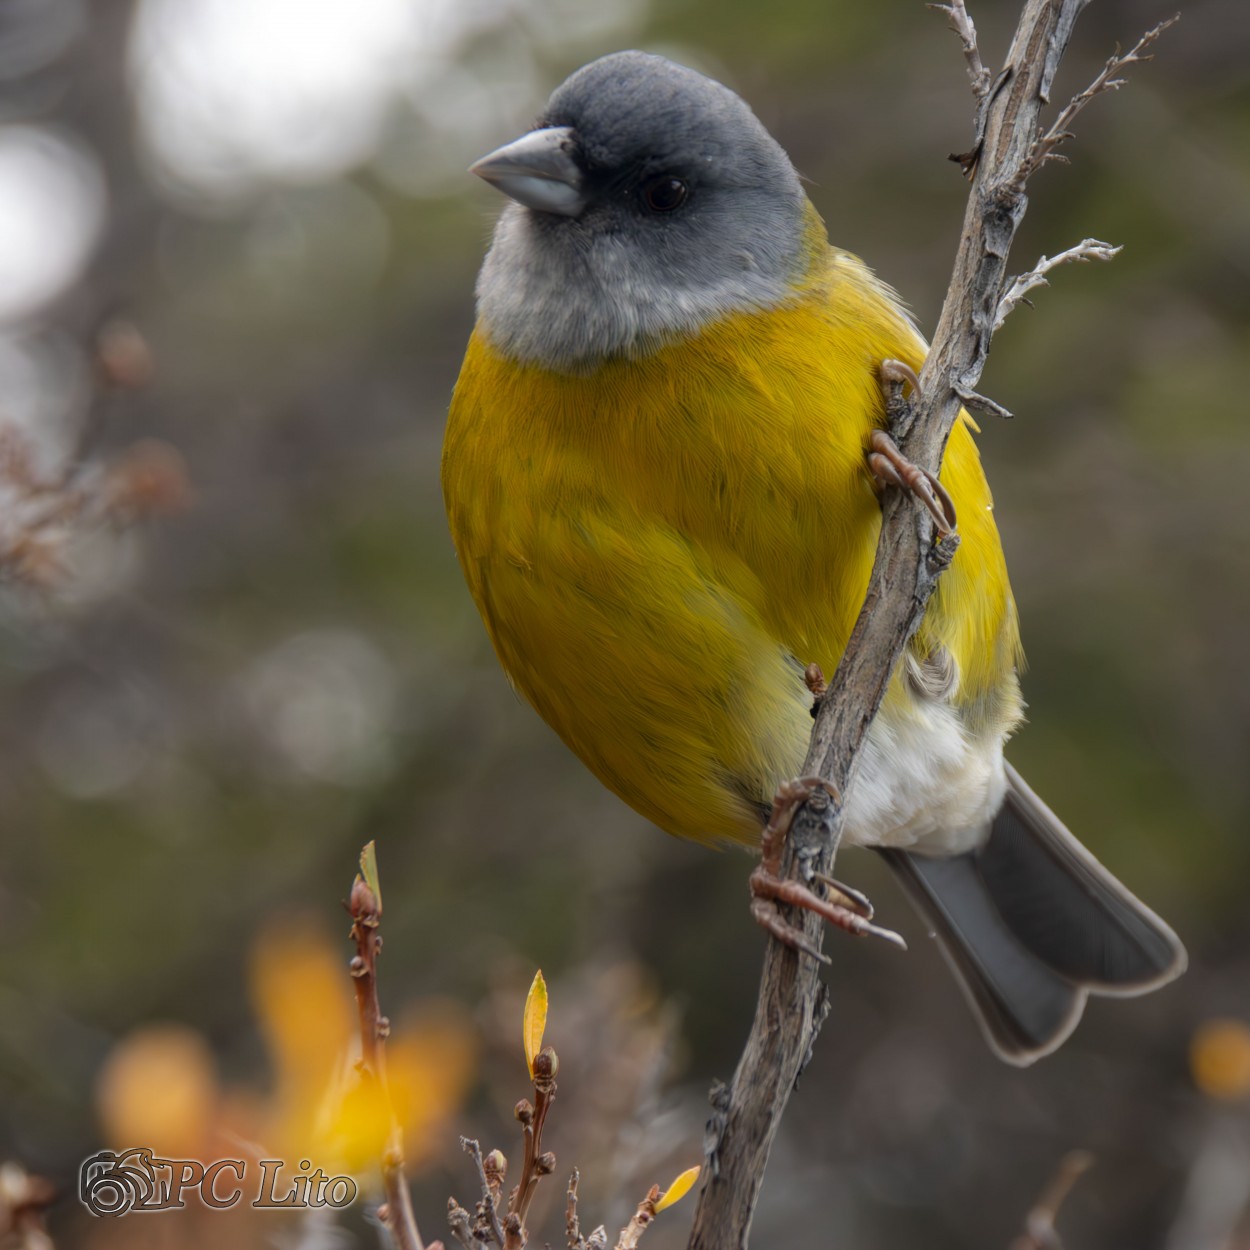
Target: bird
656,471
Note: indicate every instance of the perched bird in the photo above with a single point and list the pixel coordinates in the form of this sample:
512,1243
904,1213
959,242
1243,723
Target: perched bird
655,473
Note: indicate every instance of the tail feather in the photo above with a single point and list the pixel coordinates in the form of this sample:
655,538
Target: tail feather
1032,922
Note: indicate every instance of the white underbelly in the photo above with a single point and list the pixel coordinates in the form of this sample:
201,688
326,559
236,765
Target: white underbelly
924,783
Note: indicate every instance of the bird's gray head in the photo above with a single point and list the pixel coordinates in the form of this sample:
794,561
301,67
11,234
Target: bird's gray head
648,202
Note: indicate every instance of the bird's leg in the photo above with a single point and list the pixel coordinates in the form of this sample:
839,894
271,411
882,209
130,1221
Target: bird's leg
848,909
890,467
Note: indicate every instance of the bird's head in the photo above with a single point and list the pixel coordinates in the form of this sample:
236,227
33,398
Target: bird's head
648,202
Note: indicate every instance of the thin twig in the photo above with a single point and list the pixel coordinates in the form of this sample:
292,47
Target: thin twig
537,1163
1044,146
1085,250
909,561
396,1212
461,1225
487,1208
960,21
572,1225
1039,1225
641,1220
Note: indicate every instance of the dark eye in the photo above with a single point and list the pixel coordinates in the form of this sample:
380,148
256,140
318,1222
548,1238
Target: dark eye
663,194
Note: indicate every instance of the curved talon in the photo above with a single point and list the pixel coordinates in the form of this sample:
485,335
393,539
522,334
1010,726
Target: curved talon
896,371
849,897
889,465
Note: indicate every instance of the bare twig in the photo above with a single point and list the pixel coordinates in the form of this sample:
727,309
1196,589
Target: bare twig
1043,148
507,1230
1085,250
461,1225
641,1220
44,509
43,512
960,21
1039,1225
910,558
487,1210
572,1225
396,1212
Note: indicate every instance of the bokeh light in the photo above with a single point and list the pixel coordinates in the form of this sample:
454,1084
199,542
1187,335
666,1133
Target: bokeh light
51,210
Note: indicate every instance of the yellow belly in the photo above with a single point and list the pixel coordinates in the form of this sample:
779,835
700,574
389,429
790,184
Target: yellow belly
660,547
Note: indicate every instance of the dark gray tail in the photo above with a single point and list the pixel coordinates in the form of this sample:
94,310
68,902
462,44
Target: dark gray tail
1032,922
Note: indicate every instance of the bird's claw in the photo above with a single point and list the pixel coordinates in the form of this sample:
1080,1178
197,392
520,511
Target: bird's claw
891,467
849,897
849,910
898,373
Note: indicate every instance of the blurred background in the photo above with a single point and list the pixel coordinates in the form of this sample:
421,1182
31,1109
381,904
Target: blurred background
237,252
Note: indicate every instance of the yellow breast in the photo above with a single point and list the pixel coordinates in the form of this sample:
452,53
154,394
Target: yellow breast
659,547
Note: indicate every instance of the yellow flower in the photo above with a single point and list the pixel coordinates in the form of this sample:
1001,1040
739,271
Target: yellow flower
1219,1057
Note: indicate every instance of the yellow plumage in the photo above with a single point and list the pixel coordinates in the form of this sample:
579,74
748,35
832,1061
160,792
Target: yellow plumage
656,476
659,546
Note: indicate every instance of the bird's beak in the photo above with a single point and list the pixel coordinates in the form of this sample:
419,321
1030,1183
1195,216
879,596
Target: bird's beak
537,170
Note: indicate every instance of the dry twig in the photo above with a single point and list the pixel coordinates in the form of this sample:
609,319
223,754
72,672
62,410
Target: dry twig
1085,250
44,510
910,558
487,1222
632,1233
1043,148
960,21
1039,1225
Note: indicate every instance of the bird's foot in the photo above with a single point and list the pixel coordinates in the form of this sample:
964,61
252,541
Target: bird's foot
890,467
888,464
846,908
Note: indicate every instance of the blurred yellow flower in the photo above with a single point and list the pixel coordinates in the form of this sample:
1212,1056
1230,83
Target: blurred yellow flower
326,1109
1219,1057
302,996
158,1088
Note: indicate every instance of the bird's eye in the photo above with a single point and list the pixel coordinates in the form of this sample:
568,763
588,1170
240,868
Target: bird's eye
663,194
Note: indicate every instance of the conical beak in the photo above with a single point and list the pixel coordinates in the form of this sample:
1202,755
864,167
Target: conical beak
537,170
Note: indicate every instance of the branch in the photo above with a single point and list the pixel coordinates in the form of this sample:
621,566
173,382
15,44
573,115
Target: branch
365,908
537,1163
641,1220
910,558
1039,1225
1043,149
1085,250
960,21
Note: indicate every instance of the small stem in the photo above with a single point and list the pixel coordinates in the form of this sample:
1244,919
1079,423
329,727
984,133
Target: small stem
960,21
1085,250
632,1233
396,1212
535,1164
572,1225
489,1210
1039,1225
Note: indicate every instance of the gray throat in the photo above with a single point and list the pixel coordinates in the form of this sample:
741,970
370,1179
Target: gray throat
569,299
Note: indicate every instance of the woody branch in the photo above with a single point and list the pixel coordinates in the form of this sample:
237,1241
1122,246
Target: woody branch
1010,145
